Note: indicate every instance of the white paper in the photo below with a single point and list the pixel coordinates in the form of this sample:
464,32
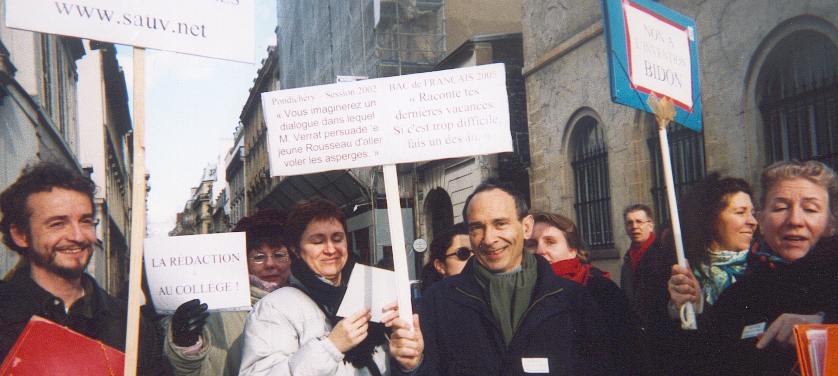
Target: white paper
535,365
410,118
659,55
371,288
213,28
817,350
210,267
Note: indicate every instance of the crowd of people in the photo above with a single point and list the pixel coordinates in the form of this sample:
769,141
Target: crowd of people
508,291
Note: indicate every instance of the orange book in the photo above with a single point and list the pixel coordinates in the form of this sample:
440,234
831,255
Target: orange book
817,349
45,348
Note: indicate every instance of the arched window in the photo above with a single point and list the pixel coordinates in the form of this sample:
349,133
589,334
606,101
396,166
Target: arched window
590,173
798,98
686,149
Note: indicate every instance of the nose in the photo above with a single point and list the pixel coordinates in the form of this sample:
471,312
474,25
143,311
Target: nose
76,232
270,261
330,247
751,220
795,217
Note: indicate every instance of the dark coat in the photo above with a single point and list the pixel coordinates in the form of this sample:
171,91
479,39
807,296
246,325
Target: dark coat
663,341
807,286
96,315
620,321
562,324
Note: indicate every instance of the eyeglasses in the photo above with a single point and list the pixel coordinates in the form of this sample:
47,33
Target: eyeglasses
636,223
462,254
261,258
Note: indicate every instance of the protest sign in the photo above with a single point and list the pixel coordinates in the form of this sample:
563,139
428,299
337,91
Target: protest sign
368,287
385,121
213,28
411,118
653,49
211,267
653,66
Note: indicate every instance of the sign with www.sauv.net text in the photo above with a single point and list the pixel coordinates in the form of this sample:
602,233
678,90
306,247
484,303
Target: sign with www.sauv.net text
212,28
411,118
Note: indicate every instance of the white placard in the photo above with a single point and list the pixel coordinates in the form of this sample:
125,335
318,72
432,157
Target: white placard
211,267
368,287
659,55
214,28
411,118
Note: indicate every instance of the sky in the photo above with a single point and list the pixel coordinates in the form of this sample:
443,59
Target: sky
192,108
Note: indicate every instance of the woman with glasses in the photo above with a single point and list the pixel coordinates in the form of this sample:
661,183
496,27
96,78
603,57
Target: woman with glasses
295,330
201,343
450,250
556,239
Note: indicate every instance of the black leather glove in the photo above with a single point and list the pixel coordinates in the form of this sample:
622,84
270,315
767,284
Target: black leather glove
188,321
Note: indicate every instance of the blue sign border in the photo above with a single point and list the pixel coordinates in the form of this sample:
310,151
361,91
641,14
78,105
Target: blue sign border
622,91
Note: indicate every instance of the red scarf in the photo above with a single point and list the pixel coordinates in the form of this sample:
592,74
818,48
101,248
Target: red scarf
636,252
574,270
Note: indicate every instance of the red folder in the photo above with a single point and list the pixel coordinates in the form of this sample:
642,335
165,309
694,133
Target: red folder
45,348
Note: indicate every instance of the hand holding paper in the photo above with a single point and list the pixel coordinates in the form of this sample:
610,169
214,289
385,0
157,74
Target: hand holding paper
368,288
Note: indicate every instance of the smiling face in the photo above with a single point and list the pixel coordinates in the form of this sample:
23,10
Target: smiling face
795,217
549,242
62,231
495,232
323,248
735,226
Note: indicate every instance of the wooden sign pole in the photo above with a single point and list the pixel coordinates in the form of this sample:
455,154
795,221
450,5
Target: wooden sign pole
394,216
664,113
138,188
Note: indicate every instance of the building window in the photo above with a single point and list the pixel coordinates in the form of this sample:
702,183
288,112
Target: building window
686,148
798,99
590,173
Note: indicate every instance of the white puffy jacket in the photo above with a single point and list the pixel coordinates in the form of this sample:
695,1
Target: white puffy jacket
285,334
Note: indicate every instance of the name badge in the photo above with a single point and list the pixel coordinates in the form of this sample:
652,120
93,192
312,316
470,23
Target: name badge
535,365
751,331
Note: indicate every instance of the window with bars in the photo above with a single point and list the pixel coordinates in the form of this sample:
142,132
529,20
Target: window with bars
590,173
798,99
686,149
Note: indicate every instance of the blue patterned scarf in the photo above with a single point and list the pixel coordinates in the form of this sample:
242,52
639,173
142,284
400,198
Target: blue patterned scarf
718,270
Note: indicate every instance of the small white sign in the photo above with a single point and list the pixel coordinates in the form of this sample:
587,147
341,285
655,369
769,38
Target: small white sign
411,118
368,287
535,365
755,330
210,267
221,29
659,55
420,245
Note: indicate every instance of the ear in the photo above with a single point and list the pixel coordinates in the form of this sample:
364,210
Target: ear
19,237
529,223
440,267
574,252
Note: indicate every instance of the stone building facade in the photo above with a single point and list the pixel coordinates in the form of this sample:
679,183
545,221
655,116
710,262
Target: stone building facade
105,149
443,185
768,81
197,215
38,105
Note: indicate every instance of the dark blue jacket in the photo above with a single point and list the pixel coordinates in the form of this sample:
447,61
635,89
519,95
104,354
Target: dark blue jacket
562,324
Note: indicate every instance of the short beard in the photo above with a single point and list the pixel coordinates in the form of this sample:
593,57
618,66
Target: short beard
48,263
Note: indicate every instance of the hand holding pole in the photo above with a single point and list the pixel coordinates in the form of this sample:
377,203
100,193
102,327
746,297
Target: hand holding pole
664,113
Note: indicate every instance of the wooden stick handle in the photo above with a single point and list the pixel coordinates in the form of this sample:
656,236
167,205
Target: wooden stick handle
138,187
